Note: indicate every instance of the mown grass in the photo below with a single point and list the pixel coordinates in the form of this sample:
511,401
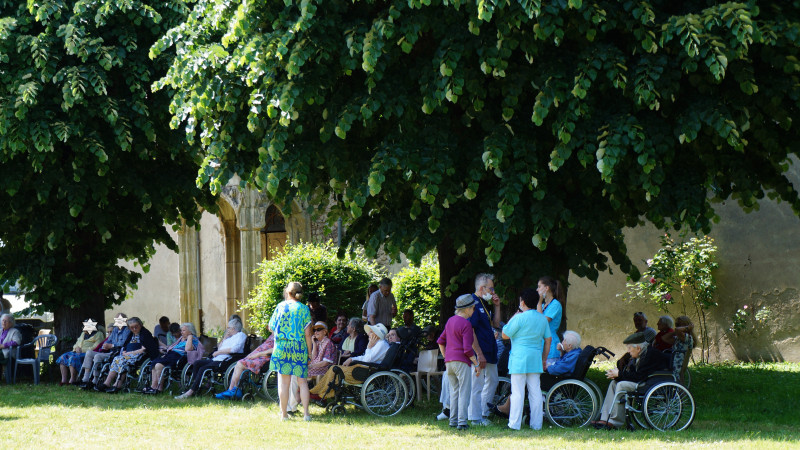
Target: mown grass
738,406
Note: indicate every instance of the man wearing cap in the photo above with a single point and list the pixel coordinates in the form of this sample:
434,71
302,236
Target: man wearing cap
455,344
640,326
645,361
382,306
376,350
487,315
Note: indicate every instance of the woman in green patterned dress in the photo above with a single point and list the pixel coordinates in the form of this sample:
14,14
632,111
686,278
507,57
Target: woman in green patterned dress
291,325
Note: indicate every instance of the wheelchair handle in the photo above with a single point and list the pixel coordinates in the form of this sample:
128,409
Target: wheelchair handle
605,352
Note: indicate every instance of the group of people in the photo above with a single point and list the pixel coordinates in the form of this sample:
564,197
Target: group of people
470,349
301,347
304,347
540,353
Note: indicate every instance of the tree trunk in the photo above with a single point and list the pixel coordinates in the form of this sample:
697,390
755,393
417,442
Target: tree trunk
69,321
450,265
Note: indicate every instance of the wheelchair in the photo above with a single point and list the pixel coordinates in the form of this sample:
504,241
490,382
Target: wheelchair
135,379
569,400
661,402
384,389
170,378
212,379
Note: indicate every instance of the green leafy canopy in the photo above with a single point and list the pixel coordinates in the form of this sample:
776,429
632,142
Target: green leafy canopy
529,133
89,169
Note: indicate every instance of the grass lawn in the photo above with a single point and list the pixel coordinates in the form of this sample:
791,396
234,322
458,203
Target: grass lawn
738,406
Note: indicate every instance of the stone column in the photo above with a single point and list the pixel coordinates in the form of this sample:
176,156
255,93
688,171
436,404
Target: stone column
189,275
251,219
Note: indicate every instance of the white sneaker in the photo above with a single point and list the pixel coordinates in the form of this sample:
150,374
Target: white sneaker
442,416
183,396
307,418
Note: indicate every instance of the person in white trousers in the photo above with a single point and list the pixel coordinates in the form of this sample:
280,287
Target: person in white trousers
530,345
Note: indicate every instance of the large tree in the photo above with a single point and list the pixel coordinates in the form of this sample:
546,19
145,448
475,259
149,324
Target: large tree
89,169
524,135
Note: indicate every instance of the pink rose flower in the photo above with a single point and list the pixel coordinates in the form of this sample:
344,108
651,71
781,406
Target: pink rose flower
652,281
667,296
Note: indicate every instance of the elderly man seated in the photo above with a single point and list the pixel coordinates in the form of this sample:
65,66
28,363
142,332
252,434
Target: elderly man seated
570,349
644,361
379,340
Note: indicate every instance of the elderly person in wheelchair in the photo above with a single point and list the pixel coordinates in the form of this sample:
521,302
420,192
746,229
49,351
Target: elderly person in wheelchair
233,342
379,340
570,349
175,353
645,360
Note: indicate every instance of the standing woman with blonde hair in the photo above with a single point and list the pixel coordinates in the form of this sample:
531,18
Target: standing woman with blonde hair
291,325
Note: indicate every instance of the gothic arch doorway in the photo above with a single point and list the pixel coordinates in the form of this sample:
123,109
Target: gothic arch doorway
273,235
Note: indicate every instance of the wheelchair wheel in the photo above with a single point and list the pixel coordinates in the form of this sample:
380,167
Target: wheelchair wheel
503,390
228,374
338,410
383,394
269,386
145,375
411,386
186,377
669,406
571,403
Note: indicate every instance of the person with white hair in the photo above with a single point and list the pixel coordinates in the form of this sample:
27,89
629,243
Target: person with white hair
570,349
485,319
9,337
644,361
233,342
186,343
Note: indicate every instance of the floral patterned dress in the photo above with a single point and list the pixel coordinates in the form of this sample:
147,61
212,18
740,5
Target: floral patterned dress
288,323
255,363
124,362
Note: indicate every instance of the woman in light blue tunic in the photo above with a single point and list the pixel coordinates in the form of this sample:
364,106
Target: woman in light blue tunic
291,325
549,289
530,337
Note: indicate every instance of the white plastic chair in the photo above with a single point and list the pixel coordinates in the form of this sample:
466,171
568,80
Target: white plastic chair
44,344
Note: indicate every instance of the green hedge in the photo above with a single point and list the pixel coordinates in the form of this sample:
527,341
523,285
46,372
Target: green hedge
341,283
417,288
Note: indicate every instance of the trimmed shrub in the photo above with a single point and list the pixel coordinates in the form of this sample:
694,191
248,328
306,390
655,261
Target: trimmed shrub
417,288
340,283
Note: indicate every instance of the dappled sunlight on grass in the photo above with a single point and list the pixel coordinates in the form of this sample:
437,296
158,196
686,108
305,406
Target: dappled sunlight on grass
735,409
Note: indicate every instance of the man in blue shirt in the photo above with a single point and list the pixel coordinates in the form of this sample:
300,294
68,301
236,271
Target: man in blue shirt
487,315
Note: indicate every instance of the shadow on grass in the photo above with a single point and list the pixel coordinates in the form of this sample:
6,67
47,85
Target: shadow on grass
734,402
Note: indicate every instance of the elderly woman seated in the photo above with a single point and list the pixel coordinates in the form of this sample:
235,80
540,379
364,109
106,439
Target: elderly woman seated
379,340
71,362
9,337
645,360
323,352
140,342
570,349
232,342
187,343
355,343
254,362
